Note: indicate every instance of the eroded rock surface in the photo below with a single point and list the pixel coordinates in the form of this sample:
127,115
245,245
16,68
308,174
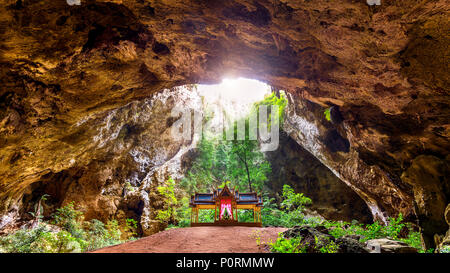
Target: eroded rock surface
115,161
315,239
384,183
384,67
389,246
443,241
331,198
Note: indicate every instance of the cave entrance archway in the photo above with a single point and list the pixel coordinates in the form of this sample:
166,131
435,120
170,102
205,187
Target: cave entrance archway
293,164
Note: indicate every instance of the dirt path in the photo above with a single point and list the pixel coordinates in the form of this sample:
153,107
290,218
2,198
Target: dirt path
199,239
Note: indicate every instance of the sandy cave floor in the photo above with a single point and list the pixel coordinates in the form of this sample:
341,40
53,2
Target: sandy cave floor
212,239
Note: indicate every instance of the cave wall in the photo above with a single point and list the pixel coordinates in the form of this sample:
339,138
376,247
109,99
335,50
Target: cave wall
331,198
117,159
385,68
418,188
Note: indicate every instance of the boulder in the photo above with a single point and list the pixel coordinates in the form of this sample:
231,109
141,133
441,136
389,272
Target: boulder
349,244
315,238
385,245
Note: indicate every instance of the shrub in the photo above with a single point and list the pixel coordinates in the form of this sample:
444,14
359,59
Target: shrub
75,235
327,114
245,215
99,235
114,233
41,240
206,216
21,241
370,231
287,245
270,214
95,234
291,212
326,247
294,201
60,242
70,220
271,100
376,230
167,192
183,213
130,228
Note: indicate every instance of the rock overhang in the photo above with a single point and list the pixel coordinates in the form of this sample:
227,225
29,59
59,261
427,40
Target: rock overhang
384,66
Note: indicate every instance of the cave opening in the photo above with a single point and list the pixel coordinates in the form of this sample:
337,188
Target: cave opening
229,101
235,94
290,163
121,191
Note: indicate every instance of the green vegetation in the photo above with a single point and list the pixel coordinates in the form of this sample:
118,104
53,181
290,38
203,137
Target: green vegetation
67,232
327,247
218,162
295,245
183,214
370,231
291,214
206,215
38,209
445,249
247,164
170,202
291,245
340,229
274,100
240,161
327,114
221,160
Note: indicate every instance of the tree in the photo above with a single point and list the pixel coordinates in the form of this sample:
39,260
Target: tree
275,98
250,164
167,192
239,161
209,169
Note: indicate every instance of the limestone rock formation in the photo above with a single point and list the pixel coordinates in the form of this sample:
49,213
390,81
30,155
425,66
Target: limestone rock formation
429,177
350,244
115,161
331,198
67,70
443,241
389,246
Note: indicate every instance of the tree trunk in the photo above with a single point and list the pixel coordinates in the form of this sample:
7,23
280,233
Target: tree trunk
244,160
248,177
